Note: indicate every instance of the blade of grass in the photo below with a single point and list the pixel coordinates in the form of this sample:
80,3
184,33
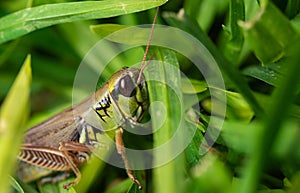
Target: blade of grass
292,8
17,186
233,47
103,30
89,174
205,11
9,49
169,177
20,186
265,73
13,115
27,20
121,187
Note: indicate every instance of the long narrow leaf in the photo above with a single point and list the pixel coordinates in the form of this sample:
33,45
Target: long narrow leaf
167,178
13,114
31,19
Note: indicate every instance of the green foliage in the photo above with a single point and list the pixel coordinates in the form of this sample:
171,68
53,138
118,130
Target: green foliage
166,176
31,19
254,43
13,116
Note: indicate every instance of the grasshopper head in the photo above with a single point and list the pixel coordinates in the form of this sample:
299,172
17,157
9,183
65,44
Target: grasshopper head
129,93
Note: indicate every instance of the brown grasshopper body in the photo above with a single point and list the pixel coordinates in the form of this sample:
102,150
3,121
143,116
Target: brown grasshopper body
63,142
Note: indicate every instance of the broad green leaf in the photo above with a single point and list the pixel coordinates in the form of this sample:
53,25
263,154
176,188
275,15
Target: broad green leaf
13,115
264,73
27,20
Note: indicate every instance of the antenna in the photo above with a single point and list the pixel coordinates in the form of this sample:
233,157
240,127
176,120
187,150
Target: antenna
143,65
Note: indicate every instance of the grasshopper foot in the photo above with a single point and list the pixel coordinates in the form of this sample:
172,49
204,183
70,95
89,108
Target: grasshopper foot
68,185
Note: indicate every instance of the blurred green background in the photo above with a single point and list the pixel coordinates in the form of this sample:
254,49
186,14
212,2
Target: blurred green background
255,44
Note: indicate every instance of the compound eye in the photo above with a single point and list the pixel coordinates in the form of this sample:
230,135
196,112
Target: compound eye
127,87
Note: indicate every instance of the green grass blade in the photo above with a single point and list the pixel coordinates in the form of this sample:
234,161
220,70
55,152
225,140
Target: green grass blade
205,11
106,29
292,8
233,47
169,177
31,19
17,186
268,73
22,185
89,174
13,115
121,187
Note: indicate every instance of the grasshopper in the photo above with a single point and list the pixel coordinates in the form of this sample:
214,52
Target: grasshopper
64,141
